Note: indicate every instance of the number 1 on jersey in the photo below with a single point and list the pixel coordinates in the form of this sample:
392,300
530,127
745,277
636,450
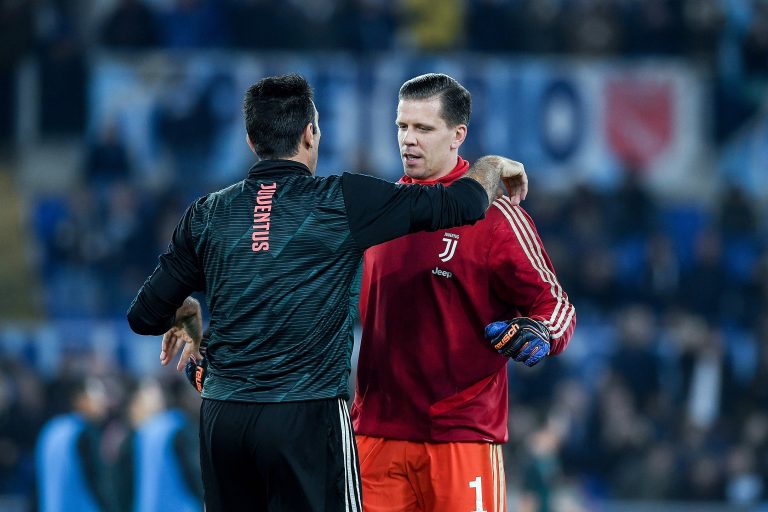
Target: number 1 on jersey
477,484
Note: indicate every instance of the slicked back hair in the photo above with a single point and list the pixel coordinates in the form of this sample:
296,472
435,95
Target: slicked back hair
277,109
455,100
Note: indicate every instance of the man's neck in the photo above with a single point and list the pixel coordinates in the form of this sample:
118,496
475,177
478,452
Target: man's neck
302,157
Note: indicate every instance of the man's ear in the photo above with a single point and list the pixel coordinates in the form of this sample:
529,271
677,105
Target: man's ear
307,137
250,142
459,135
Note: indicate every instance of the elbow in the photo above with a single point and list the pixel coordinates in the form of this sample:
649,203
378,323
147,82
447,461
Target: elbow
140,325
137,325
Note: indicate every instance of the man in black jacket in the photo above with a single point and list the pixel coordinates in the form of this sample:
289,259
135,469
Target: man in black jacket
276,255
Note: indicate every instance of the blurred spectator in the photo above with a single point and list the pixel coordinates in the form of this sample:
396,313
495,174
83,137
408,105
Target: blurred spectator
70,467
543,26
374,25
194,24
739,227
185,124
635,362
651,477
707,286
706,380
63,69
17,27
492,26
131,25
326,24
21,416
144,401
754,50
622,433
704,22
167,455
588,219
106,158
738,218
744,484
757,391
541,469
126,241
652,27
432,25
572,407
593,28
633,210
703,478
72,241
262,24
596,281
657,283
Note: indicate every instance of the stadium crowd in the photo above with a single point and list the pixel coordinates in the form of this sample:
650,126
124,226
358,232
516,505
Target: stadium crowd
662,394
727,37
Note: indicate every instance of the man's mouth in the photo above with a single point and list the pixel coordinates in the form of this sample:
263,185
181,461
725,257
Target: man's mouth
410,158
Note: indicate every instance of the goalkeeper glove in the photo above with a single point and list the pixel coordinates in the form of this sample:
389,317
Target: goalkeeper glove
195,370
523,339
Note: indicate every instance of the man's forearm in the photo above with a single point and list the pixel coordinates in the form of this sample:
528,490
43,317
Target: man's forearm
488,171
189,317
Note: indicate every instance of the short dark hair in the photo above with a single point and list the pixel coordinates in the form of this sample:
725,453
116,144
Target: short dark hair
455,100
277,109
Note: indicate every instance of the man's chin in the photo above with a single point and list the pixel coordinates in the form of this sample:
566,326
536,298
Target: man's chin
412,171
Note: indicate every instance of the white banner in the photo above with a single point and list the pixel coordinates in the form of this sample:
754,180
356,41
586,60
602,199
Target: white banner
568,121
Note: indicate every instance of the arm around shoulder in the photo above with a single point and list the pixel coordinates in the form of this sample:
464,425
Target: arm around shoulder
379,211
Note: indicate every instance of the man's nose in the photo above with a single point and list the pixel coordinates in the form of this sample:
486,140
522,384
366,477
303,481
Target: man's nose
409,138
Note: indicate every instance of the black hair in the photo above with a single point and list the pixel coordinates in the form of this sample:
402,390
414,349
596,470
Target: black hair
455,100
277,109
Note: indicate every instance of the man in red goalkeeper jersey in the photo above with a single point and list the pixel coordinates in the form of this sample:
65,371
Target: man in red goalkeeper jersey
442,313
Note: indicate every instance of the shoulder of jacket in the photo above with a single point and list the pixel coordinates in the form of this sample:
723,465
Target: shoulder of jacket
502,210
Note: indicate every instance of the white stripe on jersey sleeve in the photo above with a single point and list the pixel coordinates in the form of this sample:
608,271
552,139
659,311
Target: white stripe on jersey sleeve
563,313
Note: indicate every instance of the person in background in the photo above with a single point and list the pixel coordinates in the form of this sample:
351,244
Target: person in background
145,399
166,455
70,469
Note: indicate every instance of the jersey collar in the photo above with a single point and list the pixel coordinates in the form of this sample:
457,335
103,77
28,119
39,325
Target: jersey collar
277,167
462,166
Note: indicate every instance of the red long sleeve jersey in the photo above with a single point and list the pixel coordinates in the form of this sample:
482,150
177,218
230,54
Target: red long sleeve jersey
425,371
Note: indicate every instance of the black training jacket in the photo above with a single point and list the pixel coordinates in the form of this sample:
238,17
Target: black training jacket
277,255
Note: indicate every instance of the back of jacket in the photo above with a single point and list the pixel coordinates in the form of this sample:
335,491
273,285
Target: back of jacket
277,255
275,249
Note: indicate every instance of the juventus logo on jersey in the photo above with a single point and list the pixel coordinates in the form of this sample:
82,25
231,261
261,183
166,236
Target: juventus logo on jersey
451,241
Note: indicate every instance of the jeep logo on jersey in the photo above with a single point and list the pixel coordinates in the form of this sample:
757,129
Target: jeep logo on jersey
451,241
442,273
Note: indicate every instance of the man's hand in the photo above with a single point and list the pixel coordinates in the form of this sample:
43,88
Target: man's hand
515,181
523,339
187,332
487,170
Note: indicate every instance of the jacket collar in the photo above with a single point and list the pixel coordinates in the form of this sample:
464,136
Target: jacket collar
267,168
462,166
